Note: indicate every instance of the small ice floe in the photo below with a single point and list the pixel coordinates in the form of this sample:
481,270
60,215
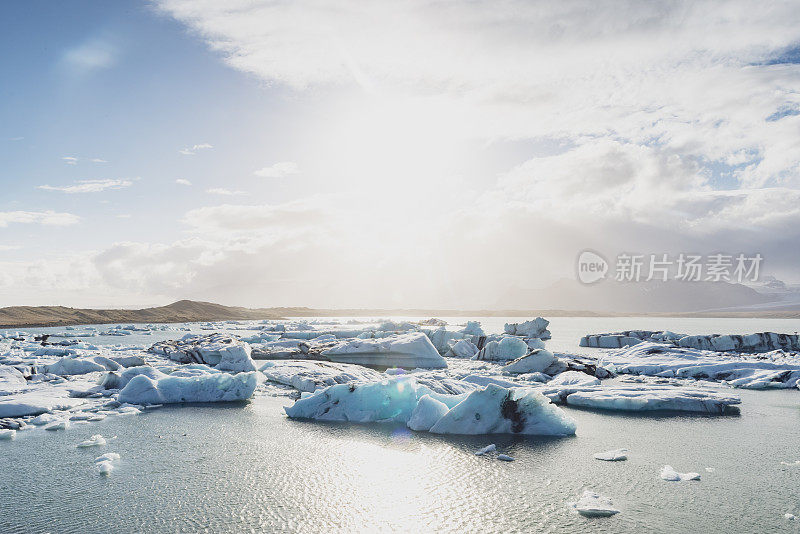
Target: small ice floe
505,458
107,457
105,467
7,434
796,462
95,441
487,449
668,473
105,463
617,455
710,469
592,504
57,425
790,517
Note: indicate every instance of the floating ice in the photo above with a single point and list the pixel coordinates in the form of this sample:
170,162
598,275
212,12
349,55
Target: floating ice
305,375
107,457
36,402
790,517
533,328
473,328
95,441
770,370
217,350
592,504
617,455
204,386
105,467
426,413
498,410
405,350
493,410
508,348
654,398
463,348
487,449
7,434
505,458
57,425
668,473
535,362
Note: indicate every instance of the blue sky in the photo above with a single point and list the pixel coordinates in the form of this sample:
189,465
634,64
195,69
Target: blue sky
340,147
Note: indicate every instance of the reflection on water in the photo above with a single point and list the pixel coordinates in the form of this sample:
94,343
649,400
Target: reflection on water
247,467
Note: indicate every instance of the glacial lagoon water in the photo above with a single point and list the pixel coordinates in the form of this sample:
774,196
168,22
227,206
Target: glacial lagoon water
245,467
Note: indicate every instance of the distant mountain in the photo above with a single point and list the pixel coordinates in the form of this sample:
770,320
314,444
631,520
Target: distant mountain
637,297
177,312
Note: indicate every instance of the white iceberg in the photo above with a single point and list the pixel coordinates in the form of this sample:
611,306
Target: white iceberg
486,450
463,348
405,350
216,350
508,348
592,504
107,457
498,410
573,378
104,468
654,398
37,402
535,362
668,473
616,455
426,413
203,386
533,328
308,376
7,434
483,411
95,441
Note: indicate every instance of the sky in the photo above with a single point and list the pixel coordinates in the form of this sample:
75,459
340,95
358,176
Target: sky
386,154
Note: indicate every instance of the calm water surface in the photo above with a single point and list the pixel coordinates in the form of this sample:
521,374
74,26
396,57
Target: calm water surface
246,467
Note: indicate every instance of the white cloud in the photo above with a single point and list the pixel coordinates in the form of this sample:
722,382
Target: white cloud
183,181
96,53
192,150
73,160
223,191
278,170
89,186
46,218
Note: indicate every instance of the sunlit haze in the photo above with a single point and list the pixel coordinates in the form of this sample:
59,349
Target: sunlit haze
398,154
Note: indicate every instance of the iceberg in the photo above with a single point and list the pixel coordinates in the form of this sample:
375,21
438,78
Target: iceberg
426,413
533,328
508,348
573,378
7,434
534,362
473,328
592,504
404,350
668,473
770,370
493,409
751,343
95,441
499,410
486,450
505,458
463,348
11,379
655,398
105,467
107,457
216,350
37,402
617,455
308,376
203,386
